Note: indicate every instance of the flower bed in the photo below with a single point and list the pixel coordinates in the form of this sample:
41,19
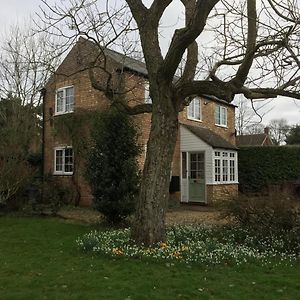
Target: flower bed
209,245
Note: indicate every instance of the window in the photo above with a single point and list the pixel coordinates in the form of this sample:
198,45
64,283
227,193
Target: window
221,115
147,93
64,100
63,161
217,170
225,167
194,110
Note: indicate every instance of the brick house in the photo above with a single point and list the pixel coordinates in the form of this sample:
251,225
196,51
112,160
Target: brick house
260,139
204,167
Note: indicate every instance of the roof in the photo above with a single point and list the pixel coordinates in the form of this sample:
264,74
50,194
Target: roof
128,62
216,99
210,137
251,139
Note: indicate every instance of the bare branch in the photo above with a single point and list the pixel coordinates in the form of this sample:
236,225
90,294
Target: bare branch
244,68
184,37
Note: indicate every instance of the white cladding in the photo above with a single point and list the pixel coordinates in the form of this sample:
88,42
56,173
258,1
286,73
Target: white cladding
191,143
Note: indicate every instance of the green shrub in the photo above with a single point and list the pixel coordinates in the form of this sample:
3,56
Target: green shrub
112,168
276,215
55,195
262,166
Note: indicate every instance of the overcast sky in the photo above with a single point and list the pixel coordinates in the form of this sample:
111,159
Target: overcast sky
13,11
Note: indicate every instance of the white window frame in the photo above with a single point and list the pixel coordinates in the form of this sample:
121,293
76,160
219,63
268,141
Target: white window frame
63,172
147,97
221,116
225,160
64,110
191,110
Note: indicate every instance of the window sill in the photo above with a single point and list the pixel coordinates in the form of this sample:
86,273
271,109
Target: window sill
63,113
193,119
222,126
62,174
223,183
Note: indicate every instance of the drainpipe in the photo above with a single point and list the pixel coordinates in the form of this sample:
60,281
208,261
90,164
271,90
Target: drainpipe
43,93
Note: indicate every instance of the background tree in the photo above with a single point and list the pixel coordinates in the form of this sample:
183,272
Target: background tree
256,128
293,136
251,51
249,115
278,130
26,63
20,135
112,168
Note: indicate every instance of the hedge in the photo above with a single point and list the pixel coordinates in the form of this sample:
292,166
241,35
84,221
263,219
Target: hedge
261,166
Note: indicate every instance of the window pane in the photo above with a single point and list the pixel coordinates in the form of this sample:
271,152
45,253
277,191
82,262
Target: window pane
58,160
217,170
68,160
60,101
69,99
191,110
197,109
232,170
223,116
217,115
147,93
225,170
194,109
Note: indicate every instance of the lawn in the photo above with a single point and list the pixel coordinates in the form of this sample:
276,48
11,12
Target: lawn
39,260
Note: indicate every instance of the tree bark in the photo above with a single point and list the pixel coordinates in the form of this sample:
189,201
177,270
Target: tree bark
149,222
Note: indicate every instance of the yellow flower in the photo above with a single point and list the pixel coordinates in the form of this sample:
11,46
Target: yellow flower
117,251
163,245
176,254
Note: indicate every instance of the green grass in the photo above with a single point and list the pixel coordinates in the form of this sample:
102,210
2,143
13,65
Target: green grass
39,260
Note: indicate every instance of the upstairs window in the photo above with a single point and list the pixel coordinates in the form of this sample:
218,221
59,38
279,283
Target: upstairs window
221,116
147,93
194,110
63,161
64,102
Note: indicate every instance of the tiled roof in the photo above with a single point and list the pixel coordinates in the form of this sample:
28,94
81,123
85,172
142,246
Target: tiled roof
127,62
210,137
250,140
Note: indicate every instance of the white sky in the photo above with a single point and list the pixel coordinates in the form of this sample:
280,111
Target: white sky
13,11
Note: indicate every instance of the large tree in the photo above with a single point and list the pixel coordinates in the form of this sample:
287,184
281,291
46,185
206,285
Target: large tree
226,48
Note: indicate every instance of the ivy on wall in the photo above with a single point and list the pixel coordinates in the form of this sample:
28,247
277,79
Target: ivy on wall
261,166
74,129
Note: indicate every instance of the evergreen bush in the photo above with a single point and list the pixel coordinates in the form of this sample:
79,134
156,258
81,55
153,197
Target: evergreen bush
261,166
112,168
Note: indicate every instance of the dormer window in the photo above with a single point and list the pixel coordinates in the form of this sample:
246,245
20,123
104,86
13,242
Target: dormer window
147,93
194,110
221,116
64,100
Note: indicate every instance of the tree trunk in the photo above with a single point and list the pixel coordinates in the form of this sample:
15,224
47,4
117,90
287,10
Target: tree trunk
149,222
